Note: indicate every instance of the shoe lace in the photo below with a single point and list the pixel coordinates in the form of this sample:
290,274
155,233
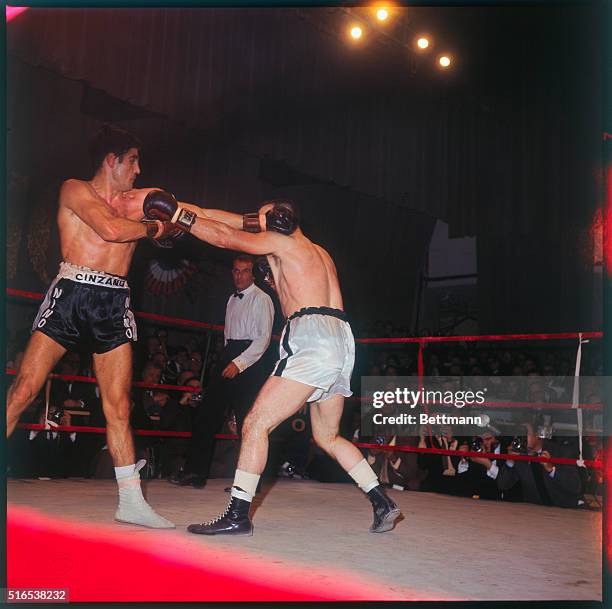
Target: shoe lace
218,518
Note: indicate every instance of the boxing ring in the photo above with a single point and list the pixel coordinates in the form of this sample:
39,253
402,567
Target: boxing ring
311,539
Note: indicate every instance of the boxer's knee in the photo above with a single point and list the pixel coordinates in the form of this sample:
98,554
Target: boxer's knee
117,412
325,440
254,425
22,392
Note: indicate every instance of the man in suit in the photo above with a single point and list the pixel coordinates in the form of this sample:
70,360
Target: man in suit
543,483
479,474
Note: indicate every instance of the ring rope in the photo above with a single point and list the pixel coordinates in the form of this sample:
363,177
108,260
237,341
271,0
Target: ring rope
526,405
422,339
386,447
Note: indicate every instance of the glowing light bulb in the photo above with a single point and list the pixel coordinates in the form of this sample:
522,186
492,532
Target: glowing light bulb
382,14
422,43
444,61
356,32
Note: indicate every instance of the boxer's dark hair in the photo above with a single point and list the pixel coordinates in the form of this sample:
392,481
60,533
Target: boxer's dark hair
245,258
113,140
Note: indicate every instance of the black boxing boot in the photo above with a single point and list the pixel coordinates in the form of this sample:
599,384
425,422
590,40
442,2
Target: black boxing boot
386,511
234,521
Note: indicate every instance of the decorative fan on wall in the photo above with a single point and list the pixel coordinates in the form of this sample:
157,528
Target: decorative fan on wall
164,278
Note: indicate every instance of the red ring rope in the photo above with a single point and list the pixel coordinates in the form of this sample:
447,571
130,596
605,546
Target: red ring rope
482,337
91,379
386,447
492,456
422,340
143,385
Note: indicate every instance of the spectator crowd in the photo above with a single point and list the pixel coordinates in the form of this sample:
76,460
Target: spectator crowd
50,454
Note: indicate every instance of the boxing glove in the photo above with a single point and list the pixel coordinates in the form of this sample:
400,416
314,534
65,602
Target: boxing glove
161,205
283,218
162,234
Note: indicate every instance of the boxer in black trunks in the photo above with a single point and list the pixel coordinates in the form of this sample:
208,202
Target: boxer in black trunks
88,304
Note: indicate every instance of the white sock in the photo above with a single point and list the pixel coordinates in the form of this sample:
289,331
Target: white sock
128,480
245,485
364,476
124,471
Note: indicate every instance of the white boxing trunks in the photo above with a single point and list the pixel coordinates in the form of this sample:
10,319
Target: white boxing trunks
317,348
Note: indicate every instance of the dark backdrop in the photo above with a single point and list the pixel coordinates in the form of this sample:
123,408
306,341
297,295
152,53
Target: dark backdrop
236,105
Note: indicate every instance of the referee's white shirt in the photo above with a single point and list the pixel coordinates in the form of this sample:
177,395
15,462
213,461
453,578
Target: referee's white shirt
249,318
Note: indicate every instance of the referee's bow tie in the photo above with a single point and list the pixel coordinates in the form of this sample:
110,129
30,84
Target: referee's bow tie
239,294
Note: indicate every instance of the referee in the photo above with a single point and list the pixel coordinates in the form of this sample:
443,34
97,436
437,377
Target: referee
240,372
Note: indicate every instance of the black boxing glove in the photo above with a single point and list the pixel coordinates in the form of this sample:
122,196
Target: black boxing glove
282,218
250,223
161,205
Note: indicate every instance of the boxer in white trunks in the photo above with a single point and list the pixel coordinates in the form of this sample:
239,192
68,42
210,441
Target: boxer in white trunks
316,353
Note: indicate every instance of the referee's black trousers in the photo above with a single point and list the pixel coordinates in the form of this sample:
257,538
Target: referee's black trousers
220,396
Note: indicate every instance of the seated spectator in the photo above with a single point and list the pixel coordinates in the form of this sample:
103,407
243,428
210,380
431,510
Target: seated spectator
479,473
195,363
375,371
543,483
146,349
162,336
463,478
185,376
154,345
441,469
396,468
407,364
177,357
506,364
225,456
73,394
52,451
147,401
177,415
391,363
181,356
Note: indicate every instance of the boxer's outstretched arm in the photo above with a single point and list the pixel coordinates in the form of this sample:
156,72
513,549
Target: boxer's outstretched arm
224,236
216,215
75,197
137,195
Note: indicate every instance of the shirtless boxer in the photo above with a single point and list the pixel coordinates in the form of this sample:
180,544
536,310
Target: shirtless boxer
88,305
317,349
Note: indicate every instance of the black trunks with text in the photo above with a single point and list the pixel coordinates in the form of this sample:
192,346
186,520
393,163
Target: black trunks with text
87,308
